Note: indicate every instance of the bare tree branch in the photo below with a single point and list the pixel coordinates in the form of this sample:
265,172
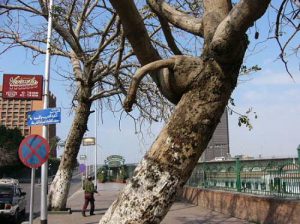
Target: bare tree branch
23,8
233,27
82,17
103,43
280,14
106,93
136,79
135,31
168,35
179,19
16,40
68,35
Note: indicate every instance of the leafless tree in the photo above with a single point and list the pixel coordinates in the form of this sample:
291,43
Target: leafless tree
199,86
89,34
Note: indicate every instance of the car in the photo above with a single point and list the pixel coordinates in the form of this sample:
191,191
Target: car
12,199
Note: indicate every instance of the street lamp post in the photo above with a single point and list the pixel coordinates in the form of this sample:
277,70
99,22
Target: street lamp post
89,141
86,165
96,137
44,169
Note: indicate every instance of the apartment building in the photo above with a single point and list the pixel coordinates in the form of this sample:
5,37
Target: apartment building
13,113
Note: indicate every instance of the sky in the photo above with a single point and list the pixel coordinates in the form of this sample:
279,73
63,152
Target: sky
270,92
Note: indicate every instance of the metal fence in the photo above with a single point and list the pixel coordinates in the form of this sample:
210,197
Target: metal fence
275,177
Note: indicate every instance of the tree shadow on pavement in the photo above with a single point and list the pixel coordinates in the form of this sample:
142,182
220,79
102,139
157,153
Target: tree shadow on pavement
185,207
87,211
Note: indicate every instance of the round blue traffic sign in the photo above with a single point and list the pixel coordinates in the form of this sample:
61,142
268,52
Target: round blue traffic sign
34,151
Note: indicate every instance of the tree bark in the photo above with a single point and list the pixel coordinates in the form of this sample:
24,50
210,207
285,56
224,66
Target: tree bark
59,189
172,157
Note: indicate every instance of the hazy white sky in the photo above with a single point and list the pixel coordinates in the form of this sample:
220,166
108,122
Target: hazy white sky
276,100
272,94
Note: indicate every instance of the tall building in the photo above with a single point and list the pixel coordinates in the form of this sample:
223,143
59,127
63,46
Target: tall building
13,114
218,146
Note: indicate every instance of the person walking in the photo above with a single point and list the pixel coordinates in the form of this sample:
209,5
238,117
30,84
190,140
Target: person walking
89,190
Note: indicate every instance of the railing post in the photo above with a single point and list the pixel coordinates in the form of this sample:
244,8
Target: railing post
238,174
204,175
298,155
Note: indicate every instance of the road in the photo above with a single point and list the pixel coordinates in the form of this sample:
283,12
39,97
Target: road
75,185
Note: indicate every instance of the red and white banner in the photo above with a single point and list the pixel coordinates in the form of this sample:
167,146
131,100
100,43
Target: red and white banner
22,87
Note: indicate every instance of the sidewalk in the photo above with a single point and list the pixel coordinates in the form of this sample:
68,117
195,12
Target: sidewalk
180,212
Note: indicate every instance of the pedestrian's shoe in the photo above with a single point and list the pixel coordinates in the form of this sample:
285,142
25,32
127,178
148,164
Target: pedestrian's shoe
83,214
92,214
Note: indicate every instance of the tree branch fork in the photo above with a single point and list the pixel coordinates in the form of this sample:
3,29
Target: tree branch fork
168,67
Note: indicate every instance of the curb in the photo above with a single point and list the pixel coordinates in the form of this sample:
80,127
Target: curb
63,212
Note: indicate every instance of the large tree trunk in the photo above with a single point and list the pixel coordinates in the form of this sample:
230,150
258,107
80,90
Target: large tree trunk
207,88
172,157
59,189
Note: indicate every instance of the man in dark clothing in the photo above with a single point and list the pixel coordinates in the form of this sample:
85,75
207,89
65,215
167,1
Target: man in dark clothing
89,190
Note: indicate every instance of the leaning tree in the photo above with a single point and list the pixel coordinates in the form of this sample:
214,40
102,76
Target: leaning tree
101,61
199,86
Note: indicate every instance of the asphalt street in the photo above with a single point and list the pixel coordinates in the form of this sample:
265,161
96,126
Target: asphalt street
75,186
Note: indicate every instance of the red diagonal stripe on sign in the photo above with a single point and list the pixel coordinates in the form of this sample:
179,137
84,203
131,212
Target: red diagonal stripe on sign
33,151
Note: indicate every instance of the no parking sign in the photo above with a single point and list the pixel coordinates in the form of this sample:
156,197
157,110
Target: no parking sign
34,151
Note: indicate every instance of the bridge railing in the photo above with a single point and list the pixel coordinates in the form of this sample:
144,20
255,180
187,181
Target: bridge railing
279,178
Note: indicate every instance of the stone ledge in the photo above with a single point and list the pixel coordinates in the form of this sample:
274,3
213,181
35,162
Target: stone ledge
259,209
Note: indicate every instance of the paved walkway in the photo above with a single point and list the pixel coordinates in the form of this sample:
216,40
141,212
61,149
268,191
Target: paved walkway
180,212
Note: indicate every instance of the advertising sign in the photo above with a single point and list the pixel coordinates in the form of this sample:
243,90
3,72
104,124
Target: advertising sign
22,86
44,117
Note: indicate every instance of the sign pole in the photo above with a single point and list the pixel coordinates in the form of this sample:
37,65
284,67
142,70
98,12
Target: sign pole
33,152
96,126
44,170
31,195
86,170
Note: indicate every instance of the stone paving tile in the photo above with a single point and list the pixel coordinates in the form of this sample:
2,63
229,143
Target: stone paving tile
180,212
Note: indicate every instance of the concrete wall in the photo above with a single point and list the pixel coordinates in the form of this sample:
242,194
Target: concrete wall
258,209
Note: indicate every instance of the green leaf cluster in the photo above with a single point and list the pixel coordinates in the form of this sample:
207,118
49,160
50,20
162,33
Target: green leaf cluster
10,139
58,11
102,174
244,120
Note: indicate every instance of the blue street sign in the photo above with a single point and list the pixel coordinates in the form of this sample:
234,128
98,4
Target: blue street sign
44,117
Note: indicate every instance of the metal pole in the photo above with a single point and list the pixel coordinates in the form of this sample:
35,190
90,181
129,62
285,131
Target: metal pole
44,170
238,174
86,167
96,125
31,195
204,175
